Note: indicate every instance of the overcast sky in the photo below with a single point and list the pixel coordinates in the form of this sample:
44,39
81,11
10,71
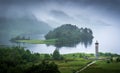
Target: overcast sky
56,12
103,16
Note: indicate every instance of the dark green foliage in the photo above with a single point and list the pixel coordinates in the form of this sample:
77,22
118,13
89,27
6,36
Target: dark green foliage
70,35
44,67
21,38
47,57
14,40
19,60
74,71
56,55
108,61
118,59
13,59
111,59
108,54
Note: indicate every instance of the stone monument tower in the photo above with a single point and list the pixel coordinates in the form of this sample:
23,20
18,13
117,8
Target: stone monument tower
96,50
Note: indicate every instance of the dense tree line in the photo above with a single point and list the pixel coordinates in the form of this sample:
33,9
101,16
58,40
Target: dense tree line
19,60
108,54
44,67
70,35
110,57
13,40
55,56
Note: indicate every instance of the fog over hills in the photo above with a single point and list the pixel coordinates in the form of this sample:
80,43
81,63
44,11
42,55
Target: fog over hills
20,22
102,16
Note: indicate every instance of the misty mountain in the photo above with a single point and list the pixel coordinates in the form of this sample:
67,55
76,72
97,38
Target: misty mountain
62,17
17,25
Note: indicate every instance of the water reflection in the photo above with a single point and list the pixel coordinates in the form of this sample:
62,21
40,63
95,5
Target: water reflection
79,46
43,48
86,43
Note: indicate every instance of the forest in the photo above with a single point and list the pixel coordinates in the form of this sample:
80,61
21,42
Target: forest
18,60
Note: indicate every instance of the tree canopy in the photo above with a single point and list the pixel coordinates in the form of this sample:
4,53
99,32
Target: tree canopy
44,67
19,60
70,35
56,55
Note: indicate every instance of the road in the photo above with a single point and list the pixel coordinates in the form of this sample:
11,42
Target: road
86,66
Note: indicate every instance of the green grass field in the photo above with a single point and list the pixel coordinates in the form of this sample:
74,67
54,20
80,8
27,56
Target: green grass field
71,66
71,62
75,61
103,67
99,67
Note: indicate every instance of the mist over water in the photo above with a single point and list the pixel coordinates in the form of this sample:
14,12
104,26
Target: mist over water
104,36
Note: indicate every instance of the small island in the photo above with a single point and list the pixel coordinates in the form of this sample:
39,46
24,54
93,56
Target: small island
70,35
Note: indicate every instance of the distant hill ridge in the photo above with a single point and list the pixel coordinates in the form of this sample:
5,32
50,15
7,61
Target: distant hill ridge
14,26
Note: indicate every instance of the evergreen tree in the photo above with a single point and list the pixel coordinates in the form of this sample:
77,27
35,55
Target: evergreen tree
56,55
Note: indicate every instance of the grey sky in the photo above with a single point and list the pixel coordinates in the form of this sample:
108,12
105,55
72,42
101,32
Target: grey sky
103,16
80,11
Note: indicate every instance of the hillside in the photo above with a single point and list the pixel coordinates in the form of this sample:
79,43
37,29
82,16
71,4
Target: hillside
11,27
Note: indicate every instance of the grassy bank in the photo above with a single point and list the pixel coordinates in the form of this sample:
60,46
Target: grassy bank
71,62
103,67
71,66
76,61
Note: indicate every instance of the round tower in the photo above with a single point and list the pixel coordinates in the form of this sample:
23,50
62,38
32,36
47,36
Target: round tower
96,50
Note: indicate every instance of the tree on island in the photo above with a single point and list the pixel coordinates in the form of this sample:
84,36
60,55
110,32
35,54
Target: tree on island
70,35
15,40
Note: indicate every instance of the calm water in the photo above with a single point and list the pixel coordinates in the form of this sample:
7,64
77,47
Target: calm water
107,37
